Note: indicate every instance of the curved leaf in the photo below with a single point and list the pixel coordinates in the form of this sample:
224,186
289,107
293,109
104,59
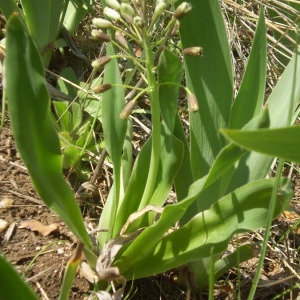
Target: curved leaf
209,78
35,136
170,73
282,142
243,210
43,19
250,97
12,285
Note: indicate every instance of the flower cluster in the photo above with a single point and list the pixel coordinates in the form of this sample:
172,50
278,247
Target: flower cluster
135,22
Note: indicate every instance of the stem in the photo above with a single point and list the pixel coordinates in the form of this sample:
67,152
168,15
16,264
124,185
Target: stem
3,109
156,129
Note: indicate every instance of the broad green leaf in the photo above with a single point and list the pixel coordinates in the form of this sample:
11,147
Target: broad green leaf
282,142
12,285
227,157
69,116
126,163
75,13
285,97
69,74
170,160
114,129
8,7
35,136
170,73
243,210
43,19
184,177
281,103
113,103
210,79
250,97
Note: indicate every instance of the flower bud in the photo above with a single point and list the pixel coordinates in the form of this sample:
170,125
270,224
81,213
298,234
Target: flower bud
102,88
113,4
183,9
121,39
111,13
100,62
128,18
101,23
193,51
126,8
100,36
127,109
193,103
138,22
159,9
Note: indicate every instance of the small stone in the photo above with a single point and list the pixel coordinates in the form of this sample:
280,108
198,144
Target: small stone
6,202
60,251
3,225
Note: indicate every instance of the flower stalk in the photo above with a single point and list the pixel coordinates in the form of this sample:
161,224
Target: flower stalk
155,113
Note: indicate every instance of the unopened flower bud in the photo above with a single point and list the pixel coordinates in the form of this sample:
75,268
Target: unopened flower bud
121,39
128,18
126,8
100,62
100,36
159,9
111,13
193,103
183,9
102,88
193,51
138,22
113,4
101,23
127,109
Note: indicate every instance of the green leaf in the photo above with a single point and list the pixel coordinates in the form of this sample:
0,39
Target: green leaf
227,157
114,128
250,97
231,260
8,7
184,177
126,163
12,285
210,79
43,19
170,73
75,13
35,136
170,160
201,267
282,142
285,97
70,273
243,210
283,100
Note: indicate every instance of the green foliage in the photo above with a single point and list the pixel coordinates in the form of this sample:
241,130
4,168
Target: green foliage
220,186
12,285
35,135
